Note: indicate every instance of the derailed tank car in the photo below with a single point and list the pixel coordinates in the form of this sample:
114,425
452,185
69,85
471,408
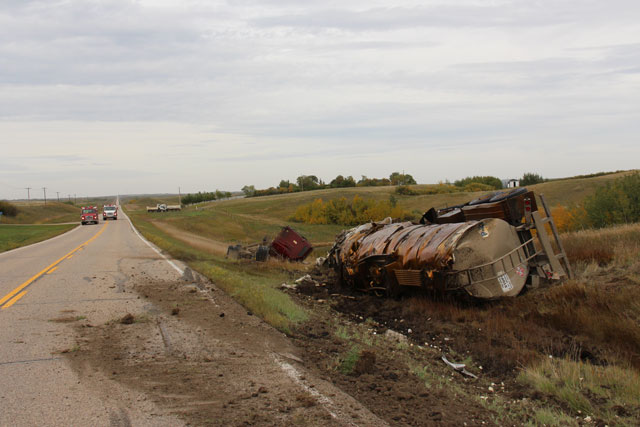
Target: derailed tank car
485,247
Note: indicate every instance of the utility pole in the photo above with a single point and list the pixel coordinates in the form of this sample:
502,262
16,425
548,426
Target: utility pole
69,197
28,193
44,189
58,193
75,199
179,197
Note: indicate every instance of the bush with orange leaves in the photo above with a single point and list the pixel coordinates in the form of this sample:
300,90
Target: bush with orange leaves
569,219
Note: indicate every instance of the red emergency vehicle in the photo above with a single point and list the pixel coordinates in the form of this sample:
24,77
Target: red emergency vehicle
89,215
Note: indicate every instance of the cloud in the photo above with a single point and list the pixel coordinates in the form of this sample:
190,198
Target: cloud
468,14
261,87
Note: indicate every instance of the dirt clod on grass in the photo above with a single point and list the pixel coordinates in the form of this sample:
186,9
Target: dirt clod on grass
127,319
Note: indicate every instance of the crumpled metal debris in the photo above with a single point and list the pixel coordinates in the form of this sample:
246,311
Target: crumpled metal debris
460,367
305,279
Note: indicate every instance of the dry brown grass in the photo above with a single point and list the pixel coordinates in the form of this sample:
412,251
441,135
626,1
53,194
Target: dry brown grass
619,243
595,316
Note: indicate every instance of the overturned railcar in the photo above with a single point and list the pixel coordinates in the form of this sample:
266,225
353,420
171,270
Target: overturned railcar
485,247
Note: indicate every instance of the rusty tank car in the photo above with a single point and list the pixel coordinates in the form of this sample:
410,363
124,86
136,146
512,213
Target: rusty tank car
486,247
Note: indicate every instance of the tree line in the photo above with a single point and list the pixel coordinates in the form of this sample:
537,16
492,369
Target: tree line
204,196
312,182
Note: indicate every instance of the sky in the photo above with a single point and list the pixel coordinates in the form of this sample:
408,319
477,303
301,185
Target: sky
151,96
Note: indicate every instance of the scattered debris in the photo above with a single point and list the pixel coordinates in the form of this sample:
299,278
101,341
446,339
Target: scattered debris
460,367
305,280
287,286
395,336
288,244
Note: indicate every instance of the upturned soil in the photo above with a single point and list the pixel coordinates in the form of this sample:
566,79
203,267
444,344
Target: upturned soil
199,355
359,360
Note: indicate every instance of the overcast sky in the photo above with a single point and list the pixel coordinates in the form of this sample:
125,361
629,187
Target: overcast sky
121,97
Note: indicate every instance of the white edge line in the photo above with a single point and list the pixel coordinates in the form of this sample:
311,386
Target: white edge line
296,377
40,242
151,245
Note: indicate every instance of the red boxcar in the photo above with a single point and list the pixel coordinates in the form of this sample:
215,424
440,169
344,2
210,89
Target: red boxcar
289,244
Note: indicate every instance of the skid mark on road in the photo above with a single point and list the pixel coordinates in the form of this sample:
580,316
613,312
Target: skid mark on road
18,362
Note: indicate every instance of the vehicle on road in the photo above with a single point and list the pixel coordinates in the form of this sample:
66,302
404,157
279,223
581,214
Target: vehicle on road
161,207
89,215
109,212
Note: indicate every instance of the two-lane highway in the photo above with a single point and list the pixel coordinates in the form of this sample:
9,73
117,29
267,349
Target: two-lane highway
62,302
84,275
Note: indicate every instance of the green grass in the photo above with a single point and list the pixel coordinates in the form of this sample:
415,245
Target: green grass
347,364
585,388
551,418
15,236
254,286
573,191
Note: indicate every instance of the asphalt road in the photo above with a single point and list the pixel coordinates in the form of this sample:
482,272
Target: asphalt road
55,293
49,288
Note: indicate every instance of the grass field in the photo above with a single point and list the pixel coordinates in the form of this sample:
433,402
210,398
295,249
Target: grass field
249,220
36,212
589,324
36,221
14,236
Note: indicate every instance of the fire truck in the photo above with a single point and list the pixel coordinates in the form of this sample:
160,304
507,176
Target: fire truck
89,215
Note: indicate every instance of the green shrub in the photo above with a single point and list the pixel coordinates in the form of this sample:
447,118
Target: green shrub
8,209
530,178
441,189
198,197
348,362
405,190
477,186
492,181
617,202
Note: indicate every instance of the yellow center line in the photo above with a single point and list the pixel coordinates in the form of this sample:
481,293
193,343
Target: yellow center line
52,270
32,279
14,300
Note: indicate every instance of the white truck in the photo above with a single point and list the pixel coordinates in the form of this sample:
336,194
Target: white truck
109,212
161,207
